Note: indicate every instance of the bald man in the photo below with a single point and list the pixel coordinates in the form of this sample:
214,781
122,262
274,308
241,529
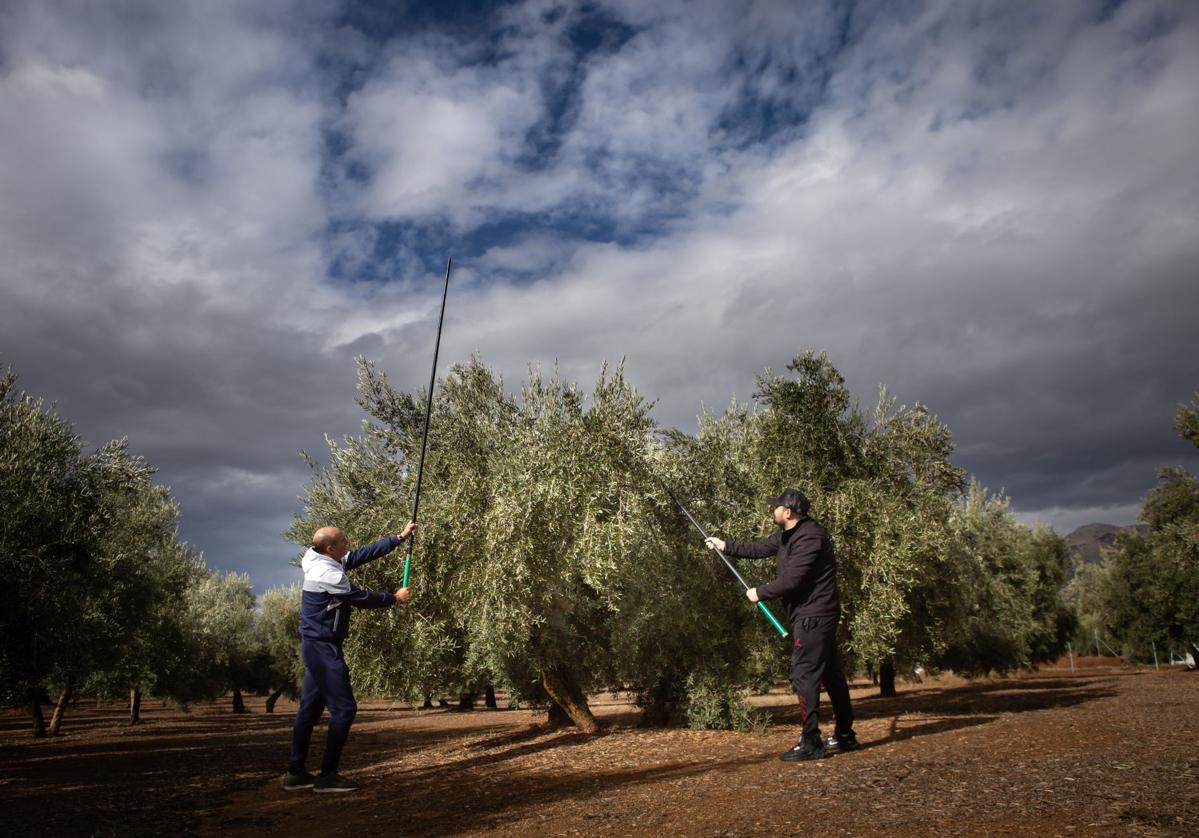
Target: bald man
324,621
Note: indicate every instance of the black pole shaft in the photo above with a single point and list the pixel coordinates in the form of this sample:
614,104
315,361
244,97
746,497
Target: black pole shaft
424,442
766,612
703,533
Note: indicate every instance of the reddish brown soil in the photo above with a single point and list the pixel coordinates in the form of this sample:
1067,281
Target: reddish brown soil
1104,750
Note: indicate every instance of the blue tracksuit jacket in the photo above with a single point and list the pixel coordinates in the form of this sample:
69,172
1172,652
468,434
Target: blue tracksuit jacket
328,593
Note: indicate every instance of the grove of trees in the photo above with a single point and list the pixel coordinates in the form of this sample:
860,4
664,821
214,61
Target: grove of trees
1144,596
550,562
101,595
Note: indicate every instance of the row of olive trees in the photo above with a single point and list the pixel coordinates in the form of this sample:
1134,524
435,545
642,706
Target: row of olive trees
101,597
1145,594
552,563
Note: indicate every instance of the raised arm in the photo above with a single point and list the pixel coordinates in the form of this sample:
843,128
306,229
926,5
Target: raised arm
377,549
753,549
374,550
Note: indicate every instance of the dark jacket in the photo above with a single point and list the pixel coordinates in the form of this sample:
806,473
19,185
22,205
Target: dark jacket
328,593
807,569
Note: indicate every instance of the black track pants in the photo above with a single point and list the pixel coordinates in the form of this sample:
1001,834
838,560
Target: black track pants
815,661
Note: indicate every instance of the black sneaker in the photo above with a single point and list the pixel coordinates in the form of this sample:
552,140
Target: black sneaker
333,783
804,750
298,782
842,742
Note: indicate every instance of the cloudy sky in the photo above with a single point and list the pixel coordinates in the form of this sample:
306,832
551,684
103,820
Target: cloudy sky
208,209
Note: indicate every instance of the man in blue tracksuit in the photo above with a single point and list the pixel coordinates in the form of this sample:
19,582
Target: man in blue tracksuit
324,621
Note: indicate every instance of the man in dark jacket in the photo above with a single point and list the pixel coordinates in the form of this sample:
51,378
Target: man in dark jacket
325,605
807,584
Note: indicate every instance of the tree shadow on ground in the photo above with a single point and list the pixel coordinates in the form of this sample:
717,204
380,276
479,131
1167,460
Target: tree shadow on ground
550,742
94,760
172,772
450,799
967,705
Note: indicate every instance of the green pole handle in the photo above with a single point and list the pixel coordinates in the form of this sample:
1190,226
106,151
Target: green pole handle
408,558
774,621
761,605
412,538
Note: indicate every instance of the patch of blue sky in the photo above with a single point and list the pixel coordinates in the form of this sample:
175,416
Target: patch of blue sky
402,250
781,89
593,32
596,30
384,21
755,121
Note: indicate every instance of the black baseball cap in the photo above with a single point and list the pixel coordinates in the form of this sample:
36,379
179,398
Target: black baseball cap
793,499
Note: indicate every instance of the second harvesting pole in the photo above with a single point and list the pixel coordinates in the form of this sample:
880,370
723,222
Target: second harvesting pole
761,605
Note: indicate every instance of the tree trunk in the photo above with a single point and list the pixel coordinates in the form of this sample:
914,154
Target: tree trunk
135,706
428,705
441,702
239,706
34,696
60,707
490,697
557,716
886,678
656,713
271,699
563,690
466,700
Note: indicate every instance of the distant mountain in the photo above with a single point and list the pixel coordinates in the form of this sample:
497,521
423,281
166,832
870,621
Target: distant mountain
1090,541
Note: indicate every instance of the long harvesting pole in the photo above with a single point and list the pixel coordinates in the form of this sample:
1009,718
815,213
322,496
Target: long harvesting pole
761,605
424,442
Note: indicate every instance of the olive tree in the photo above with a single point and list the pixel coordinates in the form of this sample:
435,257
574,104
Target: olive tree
548,560
883,486
1013,610
278,636
218,633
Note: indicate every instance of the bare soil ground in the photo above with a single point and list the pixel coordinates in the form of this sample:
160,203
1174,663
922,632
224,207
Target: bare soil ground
1104,750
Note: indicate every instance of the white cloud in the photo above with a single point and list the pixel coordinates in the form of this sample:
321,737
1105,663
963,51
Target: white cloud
433,136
